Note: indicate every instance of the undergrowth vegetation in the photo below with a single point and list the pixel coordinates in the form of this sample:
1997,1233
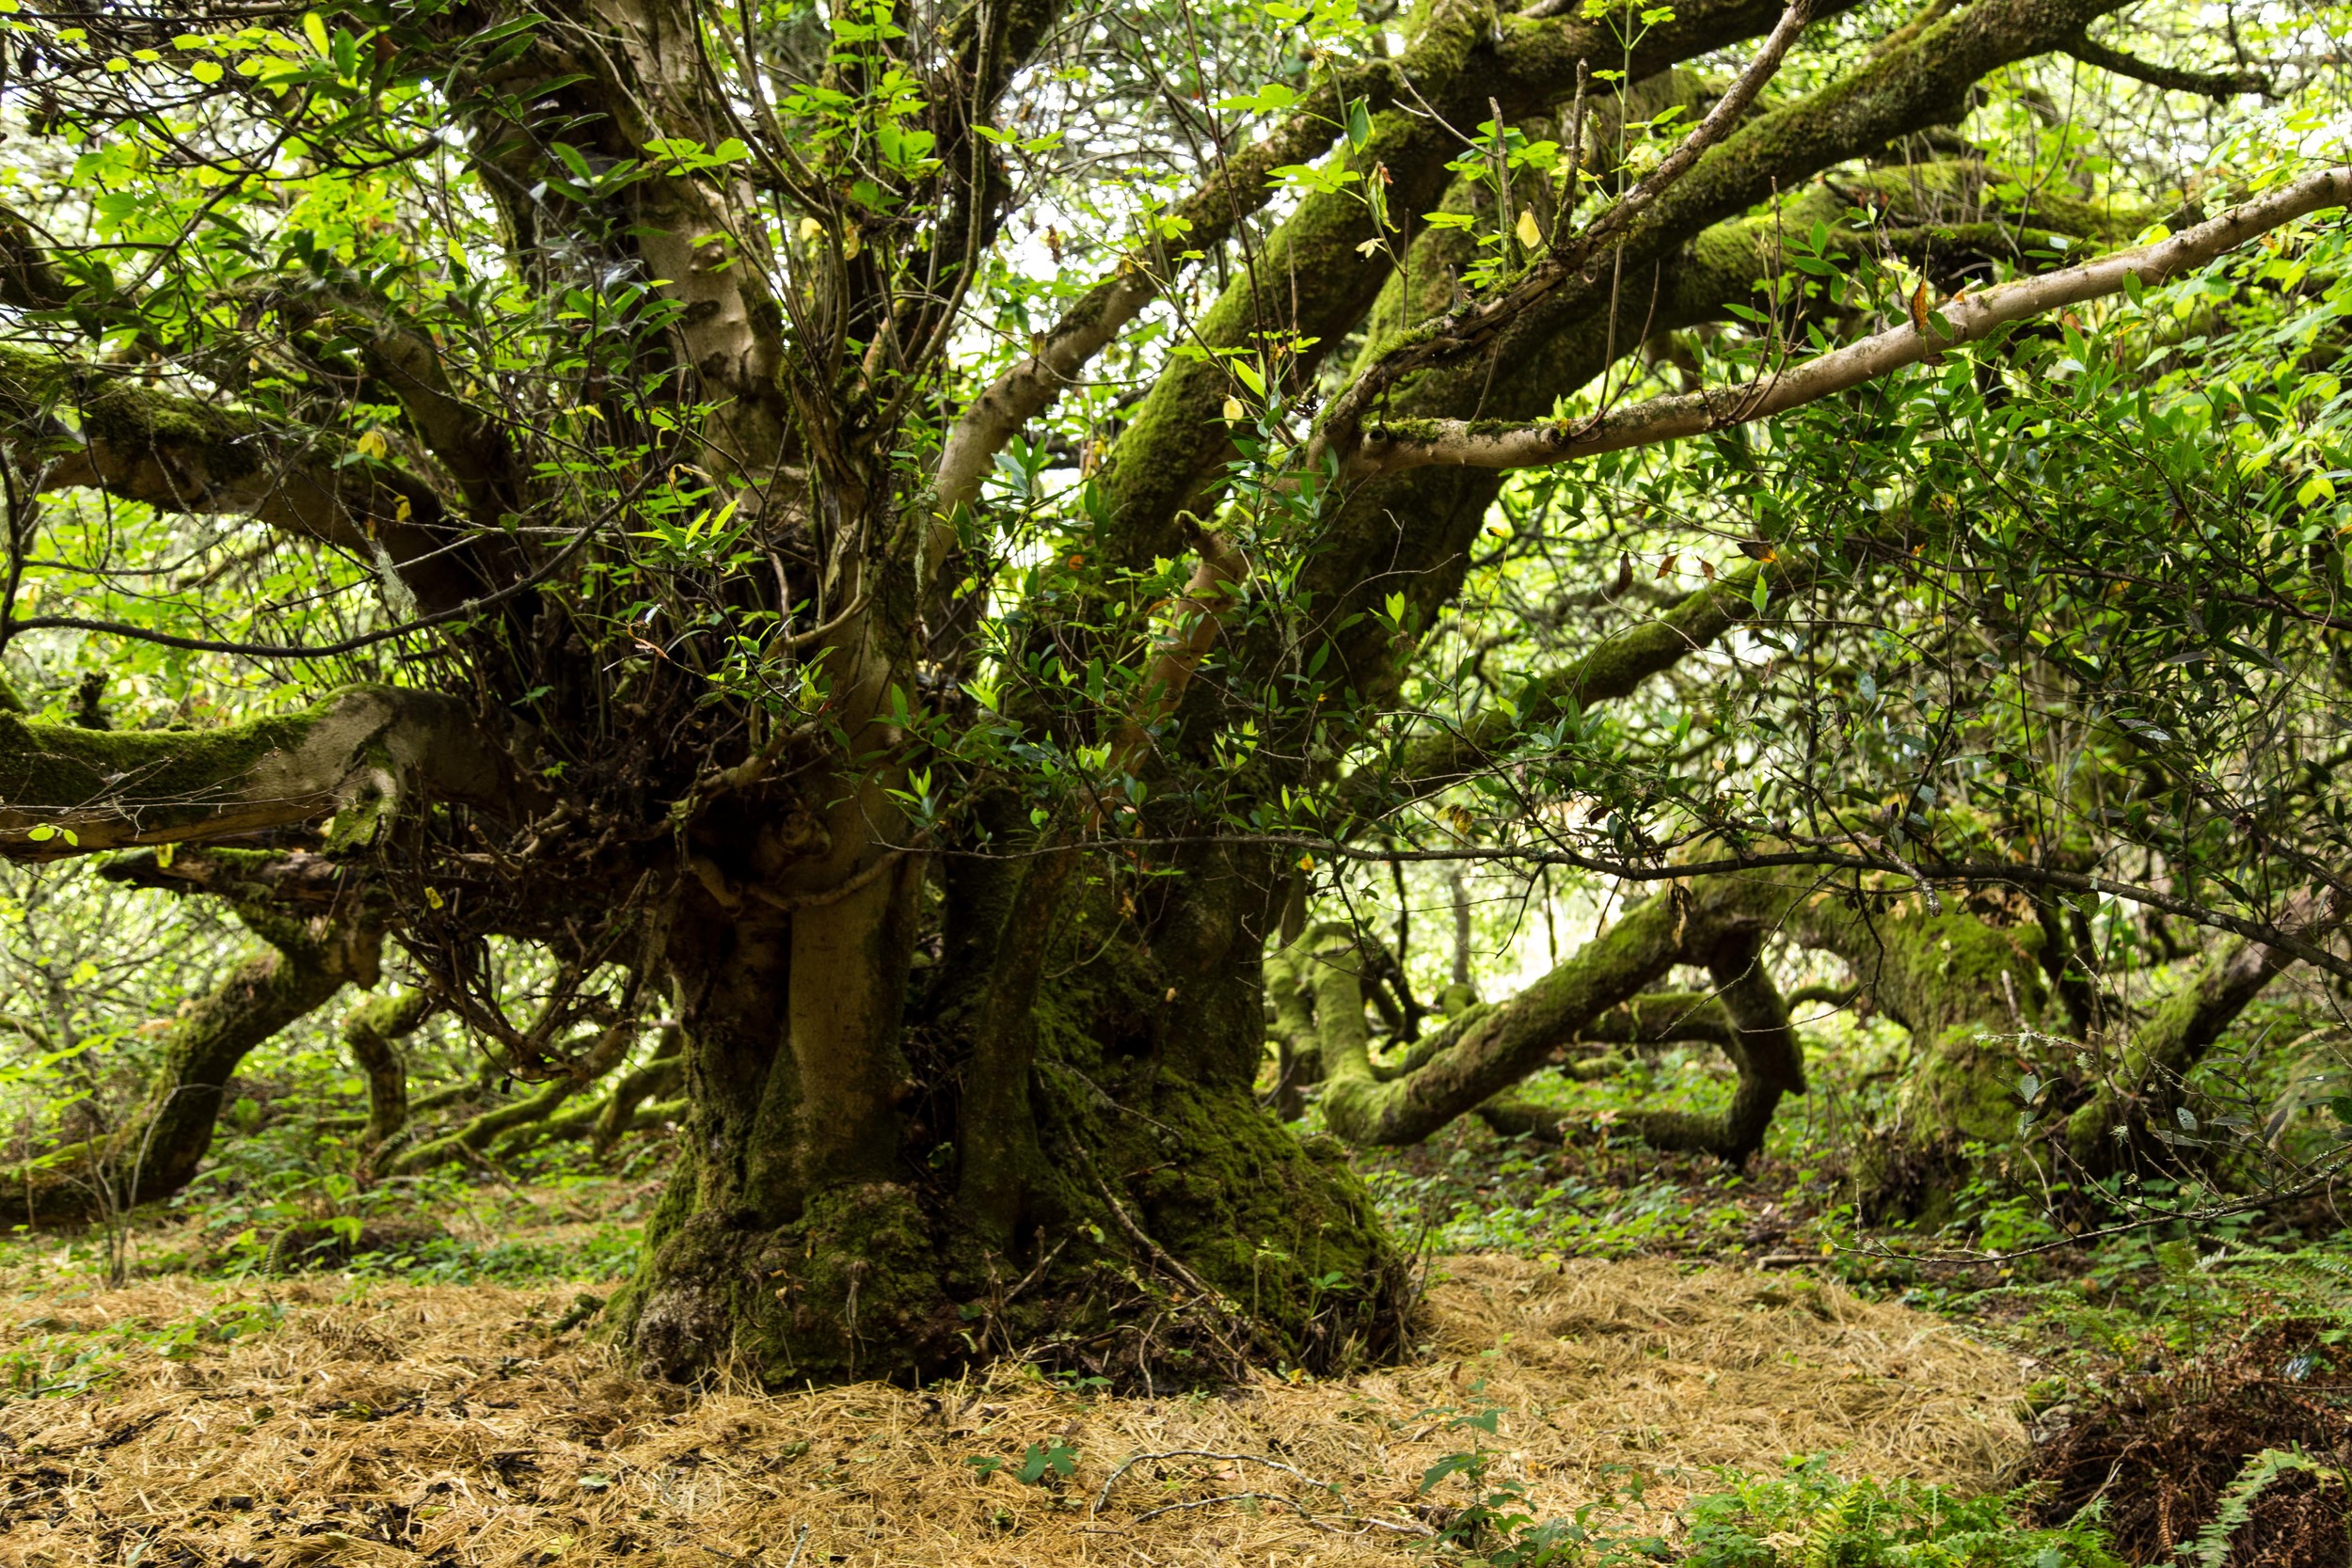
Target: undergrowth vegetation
2227,1336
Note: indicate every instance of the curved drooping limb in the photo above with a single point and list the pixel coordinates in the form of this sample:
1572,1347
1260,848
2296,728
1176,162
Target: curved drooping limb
1765,1058
156,1152
1489,1049
1469,1065
1291,974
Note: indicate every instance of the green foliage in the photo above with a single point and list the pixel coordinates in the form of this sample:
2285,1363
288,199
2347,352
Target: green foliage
52,1358
2211,1548
1046,1463
1807,1517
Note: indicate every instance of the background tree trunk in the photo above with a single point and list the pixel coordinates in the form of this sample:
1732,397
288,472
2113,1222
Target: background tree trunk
373,1031
157,1151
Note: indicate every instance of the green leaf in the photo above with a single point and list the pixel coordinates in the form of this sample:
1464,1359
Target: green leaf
1273,96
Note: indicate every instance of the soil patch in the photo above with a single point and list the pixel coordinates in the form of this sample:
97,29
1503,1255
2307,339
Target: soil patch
449,1424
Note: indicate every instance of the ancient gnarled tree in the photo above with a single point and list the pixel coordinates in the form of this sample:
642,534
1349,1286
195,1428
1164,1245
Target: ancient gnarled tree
902,539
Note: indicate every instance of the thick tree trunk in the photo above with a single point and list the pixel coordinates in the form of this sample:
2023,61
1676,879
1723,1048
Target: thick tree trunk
857,1197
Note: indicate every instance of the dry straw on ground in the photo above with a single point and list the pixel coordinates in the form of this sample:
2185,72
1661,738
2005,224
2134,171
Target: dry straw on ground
447,1424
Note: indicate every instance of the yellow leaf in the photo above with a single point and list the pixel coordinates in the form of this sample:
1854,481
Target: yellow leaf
400,508
1530,235
810,229
433,896
372,443
1233,408
315,30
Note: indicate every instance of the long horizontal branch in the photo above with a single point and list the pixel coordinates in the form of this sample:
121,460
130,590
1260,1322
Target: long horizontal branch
360,755
1969,318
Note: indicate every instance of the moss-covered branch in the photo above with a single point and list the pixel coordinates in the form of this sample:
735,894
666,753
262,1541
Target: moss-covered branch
1494,1047
602,1055
373,1030
1598,994
2149,1083
96,427
360,757
660,1078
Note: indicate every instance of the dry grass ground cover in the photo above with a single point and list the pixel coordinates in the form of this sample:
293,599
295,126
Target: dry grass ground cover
455,1424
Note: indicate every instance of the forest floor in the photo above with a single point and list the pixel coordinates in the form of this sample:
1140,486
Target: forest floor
313,1419
1624,1359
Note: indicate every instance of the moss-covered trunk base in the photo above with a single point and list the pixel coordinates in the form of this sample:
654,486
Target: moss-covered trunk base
1171,1232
